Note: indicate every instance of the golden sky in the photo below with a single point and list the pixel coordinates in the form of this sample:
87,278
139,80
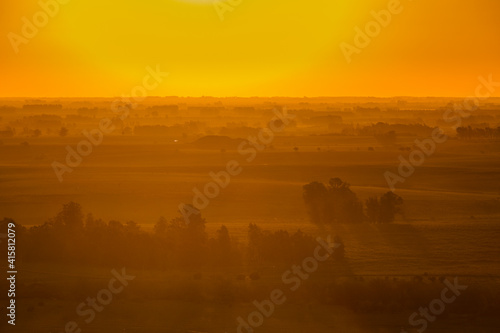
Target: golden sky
260,48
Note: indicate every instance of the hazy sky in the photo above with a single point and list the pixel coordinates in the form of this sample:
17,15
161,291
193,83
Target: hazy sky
261,48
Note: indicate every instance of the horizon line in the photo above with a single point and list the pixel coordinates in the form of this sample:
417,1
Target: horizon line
242,97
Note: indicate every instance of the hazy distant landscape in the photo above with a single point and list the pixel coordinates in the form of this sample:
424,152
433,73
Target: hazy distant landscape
231,166
447,226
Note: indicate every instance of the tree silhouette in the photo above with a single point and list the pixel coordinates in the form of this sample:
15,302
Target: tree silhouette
390,205
335,203
63,131
383,209
315,197
222,249
344,205
71,216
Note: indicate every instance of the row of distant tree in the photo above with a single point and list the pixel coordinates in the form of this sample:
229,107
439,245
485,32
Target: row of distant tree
335,202
72,237
402,129
469,132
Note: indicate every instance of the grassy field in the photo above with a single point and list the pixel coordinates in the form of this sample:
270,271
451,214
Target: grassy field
171,316
450,226
156,302
455,183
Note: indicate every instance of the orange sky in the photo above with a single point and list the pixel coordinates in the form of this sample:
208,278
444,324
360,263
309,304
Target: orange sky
261,48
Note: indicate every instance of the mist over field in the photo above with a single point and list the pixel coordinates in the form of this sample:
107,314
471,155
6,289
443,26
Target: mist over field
252,214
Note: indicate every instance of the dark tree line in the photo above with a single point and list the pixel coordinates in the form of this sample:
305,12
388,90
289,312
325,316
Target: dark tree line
74,238
469,133
337,203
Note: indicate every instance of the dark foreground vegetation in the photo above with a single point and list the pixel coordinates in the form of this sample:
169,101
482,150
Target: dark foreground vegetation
180,262
71,237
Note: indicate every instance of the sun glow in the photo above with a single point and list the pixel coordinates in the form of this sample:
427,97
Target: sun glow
259,48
